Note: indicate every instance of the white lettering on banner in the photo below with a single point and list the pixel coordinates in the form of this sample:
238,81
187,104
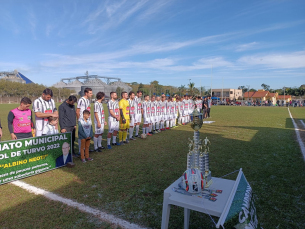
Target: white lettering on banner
248,207
2,156
45,140
34,150
10,145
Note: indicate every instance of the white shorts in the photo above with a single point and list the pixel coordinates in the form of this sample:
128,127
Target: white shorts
99,130
152,119
132,121
38,133
138,118
157,118
147,120
113,126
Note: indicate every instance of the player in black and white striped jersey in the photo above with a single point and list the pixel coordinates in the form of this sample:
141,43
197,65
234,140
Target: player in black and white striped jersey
132,114
138,112
99,121
83,104
113,119
44,107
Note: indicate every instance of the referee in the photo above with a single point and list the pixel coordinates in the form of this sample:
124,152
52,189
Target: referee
67,118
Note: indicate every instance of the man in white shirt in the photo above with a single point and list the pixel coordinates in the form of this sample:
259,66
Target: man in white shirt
99,121
138,112
83,104
163,116
146,115
44,107
153,110
132,114
113,119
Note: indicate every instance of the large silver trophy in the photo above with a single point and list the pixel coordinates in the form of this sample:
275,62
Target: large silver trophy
197,175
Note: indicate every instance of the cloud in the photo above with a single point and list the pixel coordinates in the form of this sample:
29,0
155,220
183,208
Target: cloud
284,60
247,46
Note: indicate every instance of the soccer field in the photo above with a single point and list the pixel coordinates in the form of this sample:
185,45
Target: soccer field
128,181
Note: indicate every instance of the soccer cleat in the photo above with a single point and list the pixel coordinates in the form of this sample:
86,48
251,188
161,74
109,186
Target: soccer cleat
155,132
89,159
121,143
149,134
98,150
102,147
83,160
91,150
159,130
125,142
167,128
183,123
118,143
108,146
132,138
137,136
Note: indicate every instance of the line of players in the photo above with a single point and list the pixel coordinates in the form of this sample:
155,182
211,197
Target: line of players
158,114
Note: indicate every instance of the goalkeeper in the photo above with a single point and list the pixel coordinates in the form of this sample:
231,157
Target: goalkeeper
124,120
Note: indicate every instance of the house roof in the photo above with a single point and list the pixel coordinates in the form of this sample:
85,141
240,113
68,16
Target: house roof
260,94
272,94
256,94
282,96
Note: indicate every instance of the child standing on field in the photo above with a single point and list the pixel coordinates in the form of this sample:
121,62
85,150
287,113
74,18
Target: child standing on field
50,127
85,133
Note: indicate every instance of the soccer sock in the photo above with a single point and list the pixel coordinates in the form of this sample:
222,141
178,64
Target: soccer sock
147,130
143,130
167,124
124,135
153,126
130,132
137,130
99,142
150,126
95,142
171,123
108,141
157,125
114,139
120,136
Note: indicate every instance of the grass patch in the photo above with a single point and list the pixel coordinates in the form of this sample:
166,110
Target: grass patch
128,181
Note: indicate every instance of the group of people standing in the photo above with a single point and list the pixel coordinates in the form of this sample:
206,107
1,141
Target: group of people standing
159,113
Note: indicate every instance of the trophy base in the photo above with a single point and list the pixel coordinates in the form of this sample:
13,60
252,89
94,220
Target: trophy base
208,179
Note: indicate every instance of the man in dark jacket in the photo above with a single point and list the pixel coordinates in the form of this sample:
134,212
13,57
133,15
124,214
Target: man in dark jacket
67,118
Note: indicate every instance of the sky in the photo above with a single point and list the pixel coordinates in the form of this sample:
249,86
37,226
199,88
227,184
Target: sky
212,43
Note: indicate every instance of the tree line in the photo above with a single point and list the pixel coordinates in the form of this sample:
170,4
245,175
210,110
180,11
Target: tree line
18,90
294,91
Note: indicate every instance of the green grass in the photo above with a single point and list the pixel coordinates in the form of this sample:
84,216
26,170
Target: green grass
128,181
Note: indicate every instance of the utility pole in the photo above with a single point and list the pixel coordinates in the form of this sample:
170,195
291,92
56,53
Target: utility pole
211,81
284,96
222,91
248,86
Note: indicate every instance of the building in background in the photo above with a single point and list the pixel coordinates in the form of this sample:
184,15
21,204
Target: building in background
79,83
15,76
228,93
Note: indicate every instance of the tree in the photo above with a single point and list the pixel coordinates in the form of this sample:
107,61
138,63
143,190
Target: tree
191,87
265,87
119,91
243,88
252,90
182,90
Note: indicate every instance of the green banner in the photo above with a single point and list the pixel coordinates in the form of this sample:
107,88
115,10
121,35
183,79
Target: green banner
31,156
242,213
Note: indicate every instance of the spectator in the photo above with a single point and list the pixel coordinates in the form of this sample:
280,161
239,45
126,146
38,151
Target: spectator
67,119
44,107
85,133
50,127
20,120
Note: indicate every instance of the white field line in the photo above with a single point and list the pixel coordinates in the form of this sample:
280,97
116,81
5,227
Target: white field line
302,123
297,132
102,215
